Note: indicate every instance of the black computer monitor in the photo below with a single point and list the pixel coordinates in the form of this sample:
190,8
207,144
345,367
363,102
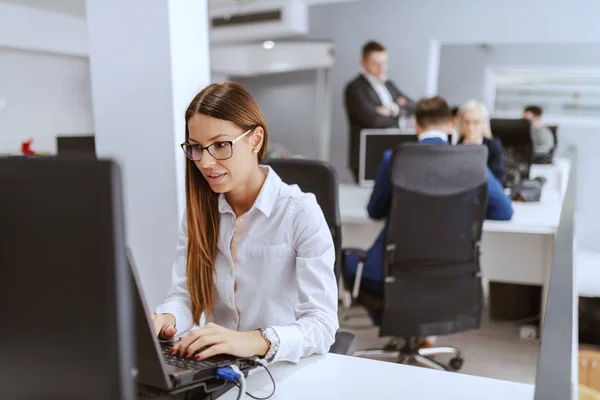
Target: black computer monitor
76,147
512,132
374,142
66,327
515,135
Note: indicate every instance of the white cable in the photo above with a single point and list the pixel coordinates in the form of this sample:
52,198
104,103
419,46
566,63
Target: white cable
242,381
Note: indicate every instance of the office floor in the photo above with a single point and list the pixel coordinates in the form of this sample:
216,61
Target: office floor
494,351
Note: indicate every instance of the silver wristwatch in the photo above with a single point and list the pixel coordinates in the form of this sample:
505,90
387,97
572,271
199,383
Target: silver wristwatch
272,338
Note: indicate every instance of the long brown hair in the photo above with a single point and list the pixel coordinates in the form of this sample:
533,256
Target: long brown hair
228,101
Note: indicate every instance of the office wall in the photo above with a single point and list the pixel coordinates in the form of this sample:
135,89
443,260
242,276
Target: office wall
410,29
462,77
28,28
288,101
46,94
462,67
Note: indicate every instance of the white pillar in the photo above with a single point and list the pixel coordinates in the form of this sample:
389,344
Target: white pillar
147,59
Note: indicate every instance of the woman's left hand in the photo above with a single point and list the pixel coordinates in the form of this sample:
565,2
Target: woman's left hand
213,339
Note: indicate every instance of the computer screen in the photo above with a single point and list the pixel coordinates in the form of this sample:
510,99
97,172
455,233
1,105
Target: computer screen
63,281
76,146
374,142
512,132
515,135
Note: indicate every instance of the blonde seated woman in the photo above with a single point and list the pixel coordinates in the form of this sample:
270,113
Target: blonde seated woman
473,127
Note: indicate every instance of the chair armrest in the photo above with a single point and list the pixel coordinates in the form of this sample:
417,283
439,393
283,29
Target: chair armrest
343,341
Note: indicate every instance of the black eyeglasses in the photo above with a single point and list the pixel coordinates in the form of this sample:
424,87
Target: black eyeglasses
219,150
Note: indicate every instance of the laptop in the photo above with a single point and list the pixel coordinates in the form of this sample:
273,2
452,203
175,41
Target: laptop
160,370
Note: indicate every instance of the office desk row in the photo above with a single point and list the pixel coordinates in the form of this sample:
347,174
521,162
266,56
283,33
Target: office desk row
517,251
341,377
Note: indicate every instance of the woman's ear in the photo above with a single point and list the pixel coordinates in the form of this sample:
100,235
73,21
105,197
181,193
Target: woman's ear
257,138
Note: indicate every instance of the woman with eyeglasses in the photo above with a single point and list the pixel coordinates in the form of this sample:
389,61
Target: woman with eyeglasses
255,256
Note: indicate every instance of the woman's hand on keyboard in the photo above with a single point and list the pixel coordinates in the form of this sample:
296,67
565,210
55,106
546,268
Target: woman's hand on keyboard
164,325
213,339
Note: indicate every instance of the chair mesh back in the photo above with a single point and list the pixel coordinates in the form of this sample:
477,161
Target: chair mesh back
439,200
320,179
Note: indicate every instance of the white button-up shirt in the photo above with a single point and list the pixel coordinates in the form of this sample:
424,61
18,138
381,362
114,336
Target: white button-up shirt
384,94
274,268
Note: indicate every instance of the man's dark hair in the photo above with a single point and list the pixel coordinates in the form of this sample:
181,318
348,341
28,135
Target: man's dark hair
371,47
432,111
455,111
535,110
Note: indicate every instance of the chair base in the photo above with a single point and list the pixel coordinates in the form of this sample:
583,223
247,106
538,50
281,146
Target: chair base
407,352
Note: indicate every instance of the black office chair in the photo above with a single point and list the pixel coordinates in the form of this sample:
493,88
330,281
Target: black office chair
320,179
432,283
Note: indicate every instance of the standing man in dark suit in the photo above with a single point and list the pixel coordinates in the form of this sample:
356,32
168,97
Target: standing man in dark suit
372,100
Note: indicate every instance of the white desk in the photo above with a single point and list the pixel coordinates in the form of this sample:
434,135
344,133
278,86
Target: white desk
342,377
515,251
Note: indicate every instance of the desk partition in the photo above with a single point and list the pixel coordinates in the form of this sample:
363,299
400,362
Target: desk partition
556,376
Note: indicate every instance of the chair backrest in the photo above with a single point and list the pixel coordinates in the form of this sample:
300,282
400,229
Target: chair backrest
320,179
439,201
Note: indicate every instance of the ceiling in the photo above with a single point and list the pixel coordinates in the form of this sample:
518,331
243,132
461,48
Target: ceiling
77,7
72,7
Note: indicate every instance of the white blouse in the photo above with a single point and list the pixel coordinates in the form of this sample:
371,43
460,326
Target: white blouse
274,268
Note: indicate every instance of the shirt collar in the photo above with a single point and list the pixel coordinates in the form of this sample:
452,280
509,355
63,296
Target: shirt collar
433,135
372,79
266,197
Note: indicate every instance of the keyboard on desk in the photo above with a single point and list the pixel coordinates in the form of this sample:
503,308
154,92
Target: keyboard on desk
218,361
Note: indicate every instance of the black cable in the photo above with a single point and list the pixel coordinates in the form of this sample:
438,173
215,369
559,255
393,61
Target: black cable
272,380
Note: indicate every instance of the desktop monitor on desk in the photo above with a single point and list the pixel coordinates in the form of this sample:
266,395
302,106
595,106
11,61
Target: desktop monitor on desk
66,329
515,135
82,147
373,143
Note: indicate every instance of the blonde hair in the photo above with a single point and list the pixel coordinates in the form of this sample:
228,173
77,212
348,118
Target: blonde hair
474,105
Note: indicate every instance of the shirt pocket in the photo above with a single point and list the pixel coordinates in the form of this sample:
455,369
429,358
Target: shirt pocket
279,250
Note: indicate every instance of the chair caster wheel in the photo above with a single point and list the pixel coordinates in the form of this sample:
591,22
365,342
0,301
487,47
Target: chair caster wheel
456,363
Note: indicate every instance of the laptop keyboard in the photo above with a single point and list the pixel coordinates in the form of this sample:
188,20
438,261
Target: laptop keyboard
222,360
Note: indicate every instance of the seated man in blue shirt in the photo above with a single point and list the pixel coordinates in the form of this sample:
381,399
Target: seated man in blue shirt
433,118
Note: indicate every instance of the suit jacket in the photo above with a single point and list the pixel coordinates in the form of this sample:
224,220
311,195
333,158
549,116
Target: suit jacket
361,100
499,207
495,157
